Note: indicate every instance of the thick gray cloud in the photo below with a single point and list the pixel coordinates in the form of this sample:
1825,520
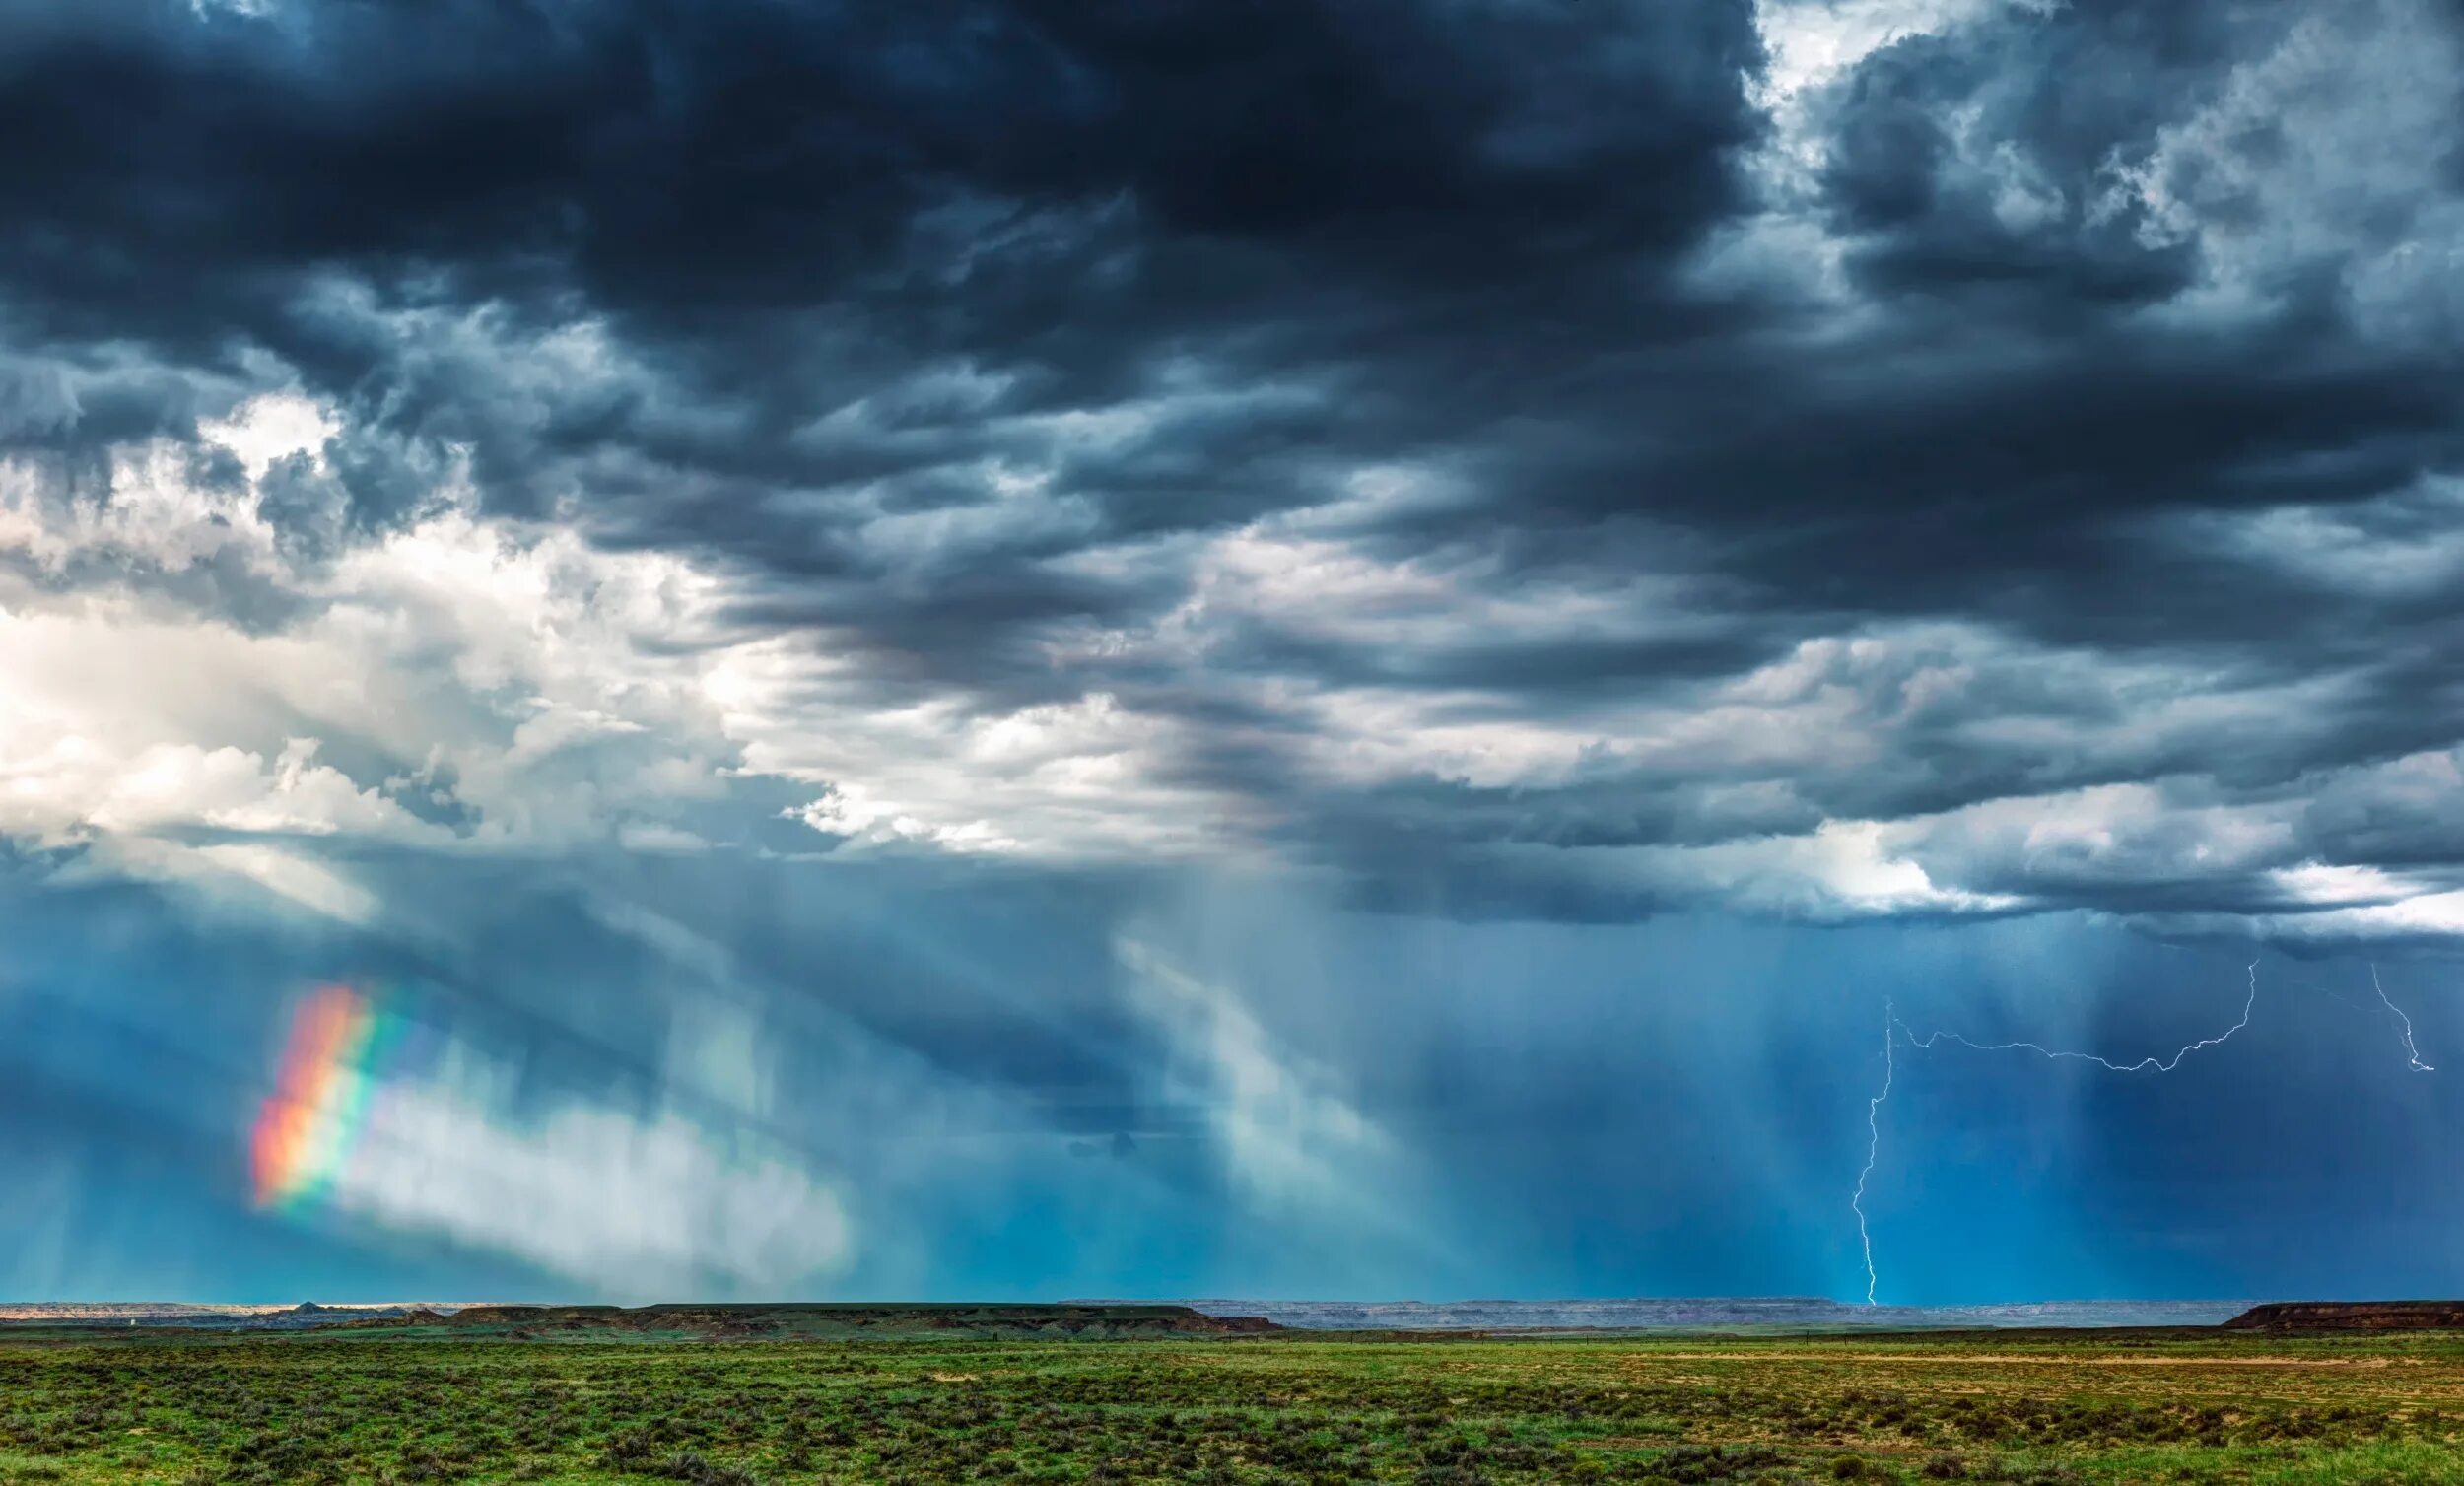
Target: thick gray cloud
1524,456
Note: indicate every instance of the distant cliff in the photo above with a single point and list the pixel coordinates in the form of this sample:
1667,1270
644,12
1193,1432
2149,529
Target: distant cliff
2353,1315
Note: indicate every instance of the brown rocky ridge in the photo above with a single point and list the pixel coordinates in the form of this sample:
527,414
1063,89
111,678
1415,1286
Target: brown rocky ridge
2352,1316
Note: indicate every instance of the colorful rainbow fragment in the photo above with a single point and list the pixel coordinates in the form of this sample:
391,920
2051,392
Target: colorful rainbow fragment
307,1128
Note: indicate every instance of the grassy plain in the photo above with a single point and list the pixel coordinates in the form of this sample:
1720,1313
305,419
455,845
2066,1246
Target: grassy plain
2042,1407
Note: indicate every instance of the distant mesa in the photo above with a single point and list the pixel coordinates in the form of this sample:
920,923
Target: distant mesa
2352,1316
1095,1319
825,1321
196,1317
819,1321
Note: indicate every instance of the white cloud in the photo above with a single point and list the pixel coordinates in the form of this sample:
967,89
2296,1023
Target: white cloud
1842,870
557,688
2332,149
643,1206
2318,882
270,426
1811,41
1086,778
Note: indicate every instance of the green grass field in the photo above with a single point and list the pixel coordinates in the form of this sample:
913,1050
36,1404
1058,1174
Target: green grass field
1964,1406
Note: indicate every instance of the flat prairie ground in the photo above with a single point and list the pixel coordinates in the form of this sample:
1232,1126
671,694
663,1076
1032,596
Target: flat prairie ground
1316,1411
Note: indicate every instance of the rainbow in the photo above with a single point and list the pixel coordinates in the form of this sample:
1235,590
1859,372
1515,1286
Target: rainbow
306,1127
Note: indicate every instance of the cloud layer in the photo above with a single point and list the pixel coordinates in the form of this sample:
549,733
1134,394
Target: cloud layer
1517,458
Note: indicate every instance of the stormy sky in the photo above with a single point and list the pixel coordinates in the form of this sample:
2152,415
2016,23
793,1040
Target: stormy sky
1036,647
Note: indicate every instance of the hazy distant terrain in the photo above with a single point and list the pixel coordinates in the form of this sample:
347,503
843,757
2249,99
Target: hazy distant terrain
1713,1311
1678,1313
189,1314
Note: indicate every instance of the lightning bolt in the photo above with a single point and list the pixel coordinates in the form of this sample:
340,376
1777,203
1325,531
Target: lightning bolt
1893,1029
1874,1145
2412,1055
2159,1064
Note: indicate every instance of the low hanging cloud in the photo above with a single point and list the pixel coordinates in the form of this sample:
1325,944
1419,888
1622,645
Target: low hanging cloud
423,1136
618,1203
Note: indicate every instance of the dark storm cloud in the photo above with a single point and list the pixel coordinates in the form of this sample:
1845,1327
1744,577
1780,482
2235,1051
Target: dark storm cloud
686,163
791,203
846,269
